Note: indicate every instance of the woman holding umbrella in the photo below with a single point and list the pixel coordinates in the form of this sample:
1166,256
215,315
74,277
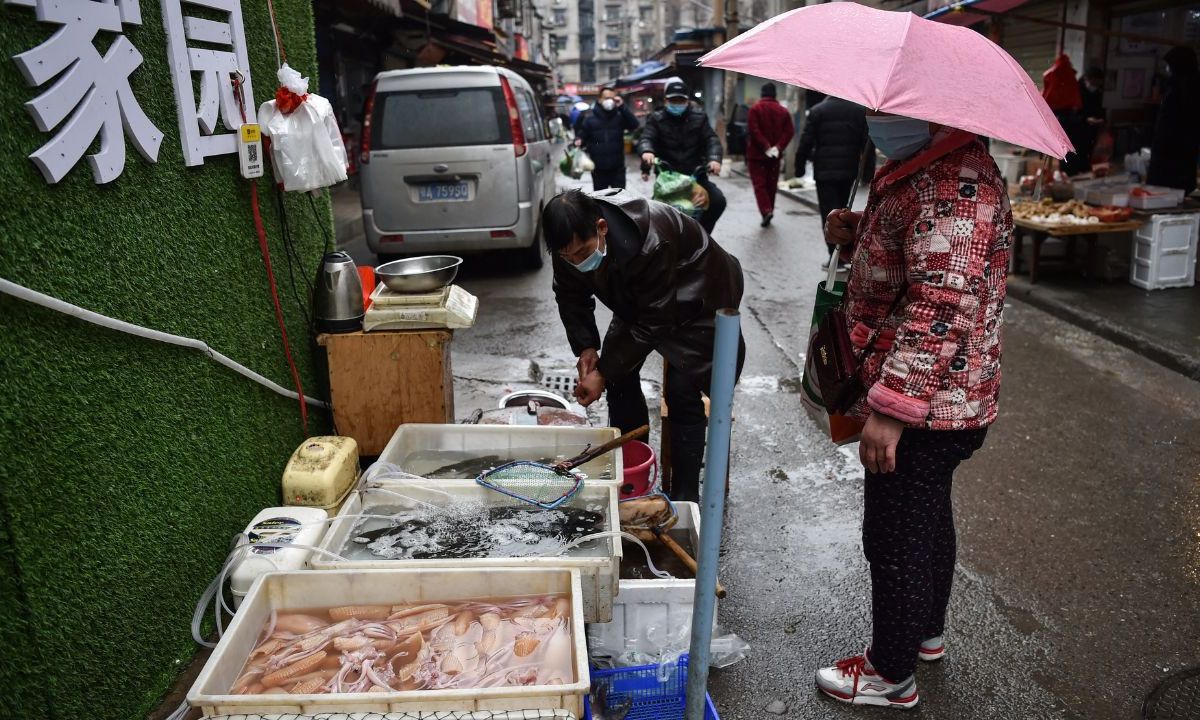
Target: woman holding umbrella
924,303
925,298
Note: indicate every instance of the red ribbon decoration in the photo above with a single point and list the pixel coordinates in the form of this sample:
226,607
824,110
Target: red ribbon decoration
287,101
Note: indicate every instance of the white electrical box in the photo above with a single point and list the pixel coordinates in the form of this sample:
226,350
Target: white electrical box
277,526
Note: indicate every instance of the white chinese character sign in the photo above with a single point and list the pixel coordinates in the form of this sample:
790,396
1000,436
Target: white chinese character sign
198,127
91,97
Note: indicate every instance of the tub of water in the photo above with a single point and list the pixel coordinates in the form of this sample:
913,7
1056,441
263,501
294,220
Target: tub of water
463,452
458,523
274,595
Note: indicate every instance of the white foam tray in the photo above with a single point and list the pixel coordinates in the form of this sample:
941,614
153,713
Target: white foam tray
642,604
309,589
598,574
514,442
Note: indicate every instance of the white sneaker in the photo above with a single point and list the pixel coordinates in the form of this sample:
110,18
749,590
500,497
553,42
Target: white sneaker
932,649
854,681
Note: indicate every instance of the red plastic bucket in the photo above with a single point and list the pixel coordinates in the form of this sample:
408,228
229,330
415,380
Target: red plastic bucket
639,461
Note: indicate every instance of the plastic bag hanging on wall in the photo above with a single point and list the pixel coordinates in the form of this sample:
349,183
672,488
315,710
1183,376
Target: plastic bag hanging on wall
306,145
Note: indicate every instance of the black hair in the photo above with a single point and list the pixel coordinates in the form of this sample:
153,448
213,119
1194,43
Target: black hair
568,215
768,90
1095,72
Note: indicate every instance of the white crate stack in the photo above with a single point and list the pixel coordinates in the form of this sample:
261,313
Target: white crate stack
1164,252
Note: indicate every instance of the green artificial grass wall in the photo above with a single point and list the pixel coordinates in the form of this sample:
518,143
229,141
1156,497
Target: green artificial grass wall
128,464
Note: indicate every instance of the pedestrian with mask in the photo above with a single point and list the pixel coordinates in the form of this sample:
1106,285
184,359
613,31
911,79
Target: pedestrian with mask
602,134
925,303
1177,130
834,138
681,136
664,279
770,131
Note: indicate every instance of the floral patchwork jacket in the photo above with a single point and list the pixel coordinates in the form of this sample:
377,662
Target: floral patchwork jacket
938,229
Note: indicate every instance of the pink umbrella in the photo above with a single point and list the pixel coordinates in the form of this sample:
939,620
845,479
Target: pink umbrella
898,63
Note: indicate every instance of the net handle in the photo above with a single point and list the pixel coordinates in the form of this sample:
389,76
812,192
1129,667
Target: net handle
593,453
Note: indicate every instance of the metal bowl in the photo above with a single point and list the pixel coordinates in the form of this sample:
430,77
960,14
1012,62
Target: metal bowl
419,274
521,398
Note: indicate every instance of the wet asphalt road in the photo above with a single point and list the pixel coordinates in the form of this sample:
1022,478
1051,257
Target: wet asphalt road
1078,584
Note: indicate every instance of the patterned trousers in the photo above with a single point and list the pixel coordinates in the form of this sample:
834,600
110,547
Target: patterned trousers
909,542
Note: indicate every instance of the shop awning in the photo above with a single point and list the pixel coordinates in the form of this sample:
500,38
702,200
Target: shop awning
959,13
645,71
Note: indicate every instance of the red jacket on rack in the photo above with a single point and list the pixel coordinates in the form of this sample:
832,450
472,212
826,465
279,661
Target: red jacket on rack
770,125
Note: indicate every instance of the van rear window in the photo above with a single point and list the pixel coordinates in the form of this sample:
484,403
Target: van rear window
440,118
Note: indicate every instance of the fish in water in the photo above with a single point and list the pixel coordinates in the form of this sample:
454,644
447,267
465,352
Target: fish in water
605,709
495,531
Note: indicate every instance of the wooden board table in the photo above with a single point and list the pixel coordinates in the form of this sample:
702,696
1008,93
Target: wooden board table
1090,233
383,379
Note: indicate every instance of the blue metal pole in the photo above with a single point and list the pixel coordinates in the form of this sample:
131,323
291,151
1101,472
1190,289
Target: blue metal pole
716,466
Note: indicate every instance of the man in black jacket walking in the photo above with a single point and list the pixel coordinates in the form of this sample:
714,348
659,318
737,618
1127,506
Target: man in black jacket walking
681,136
834,137
601,132
664,279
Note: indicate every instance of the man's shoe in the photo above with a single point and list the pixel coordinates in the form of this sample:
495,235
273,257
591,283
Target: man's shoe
854,681
766,219
932,649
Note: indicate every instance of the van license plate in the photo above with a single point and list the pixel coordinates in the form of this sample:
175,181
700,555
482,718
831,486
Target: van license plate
443,192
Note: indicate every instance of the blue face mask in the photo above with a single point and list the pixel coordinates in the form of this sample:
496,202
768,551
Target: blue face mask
593,261
677,109
897,137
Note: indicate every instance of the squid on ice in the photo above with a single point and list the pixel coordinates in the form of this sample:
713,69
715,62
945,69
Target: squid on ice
390,648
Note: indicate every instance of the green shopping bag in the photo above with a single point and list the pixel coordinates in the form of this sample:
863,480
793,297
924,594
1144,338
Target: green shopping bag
675,189
840,429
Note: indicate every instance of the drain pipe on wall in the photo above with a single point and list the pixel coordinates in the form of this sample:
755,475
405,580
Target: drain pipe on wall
716,467
52,303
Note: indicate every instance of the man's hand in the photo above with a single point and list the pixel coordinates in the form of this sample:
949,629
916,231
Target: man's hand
877,449
588,360
714,168
772,152
590,388
647,164
841,228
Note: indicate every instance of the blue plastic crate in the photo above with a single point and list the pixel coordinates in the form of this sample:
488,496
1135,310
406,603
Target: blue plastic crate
653,699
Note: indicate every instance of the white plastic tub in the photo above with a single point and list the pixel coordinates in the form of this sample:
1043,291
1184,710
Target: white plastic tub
300,590
645,607
1164,252
411,445
598,573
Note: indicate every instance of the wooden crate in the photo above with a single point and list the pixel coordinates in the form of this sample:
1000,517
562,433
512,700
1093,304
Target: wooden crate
381,380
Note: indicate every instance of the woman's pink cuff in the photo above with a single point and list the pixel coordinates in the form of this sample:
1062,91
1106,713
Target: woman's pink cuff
911,411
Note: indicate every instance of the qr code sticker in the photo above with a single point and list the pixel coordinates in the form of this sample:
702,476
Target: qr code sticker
252,152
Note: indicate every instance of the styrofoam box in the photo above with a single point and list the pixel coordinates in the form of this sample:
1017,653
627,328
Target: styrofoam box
1162,198
1164,252
308,589
641,604
1115,195
512,442
598,573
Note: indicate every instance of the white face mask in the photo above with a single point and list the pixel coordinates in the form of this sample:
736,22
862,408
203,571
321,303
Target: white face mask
608,103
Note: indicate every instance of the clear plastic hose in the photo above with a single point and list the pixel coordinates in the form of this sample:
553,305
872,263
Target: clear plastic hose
628,536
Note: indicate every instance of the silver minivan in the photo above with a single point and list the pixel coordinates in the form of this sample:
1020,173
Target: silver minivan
454,159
